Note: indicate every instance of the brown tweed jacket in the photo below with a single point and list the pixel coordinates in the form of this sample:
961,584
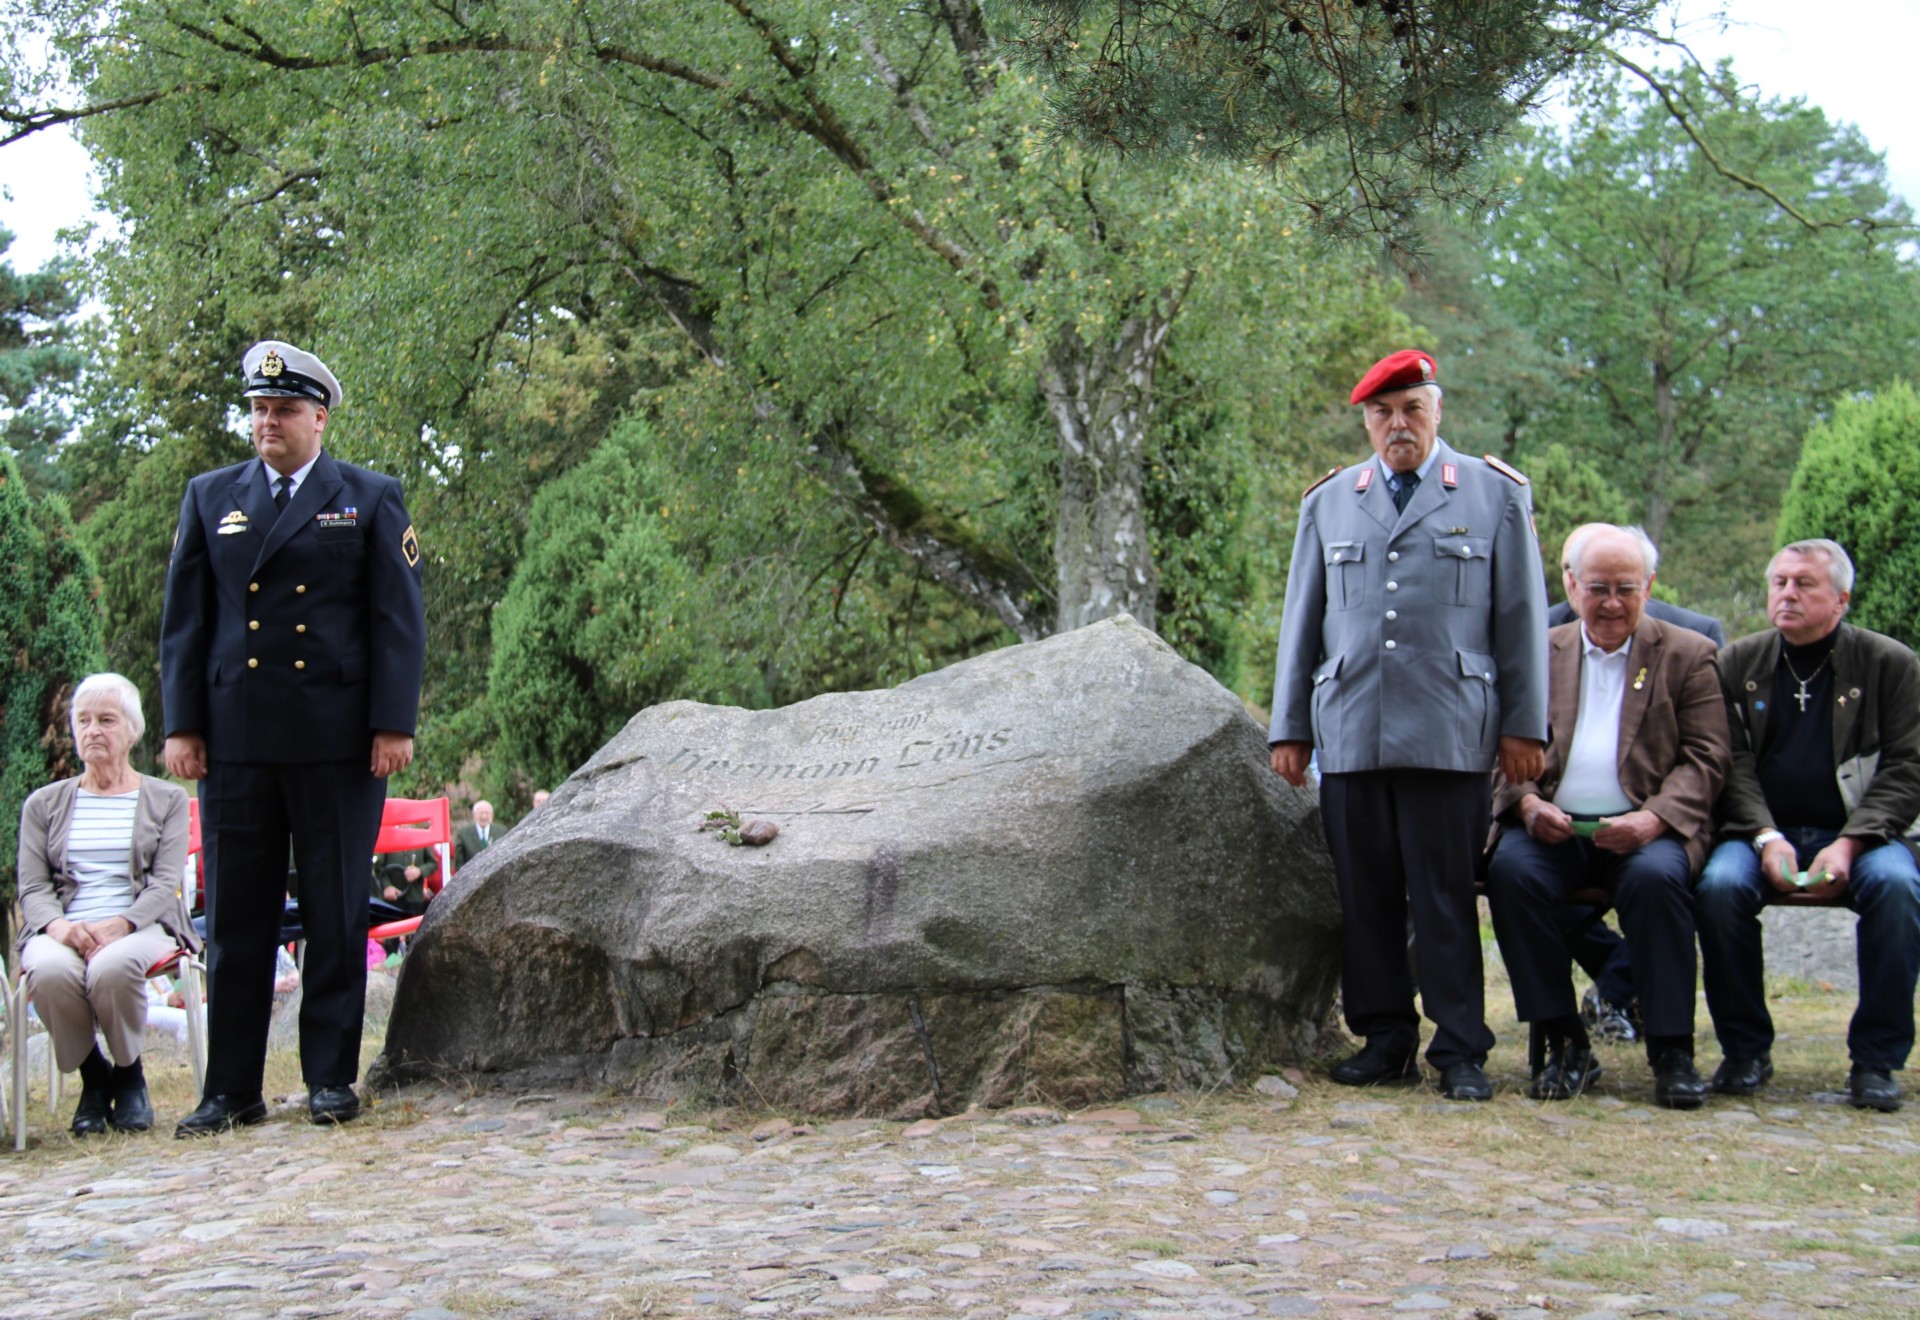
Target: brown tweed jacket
1674,749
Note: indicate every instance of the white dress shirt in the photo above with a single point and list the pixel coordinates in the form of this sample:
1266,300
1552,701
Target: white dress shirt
1590,784
271,476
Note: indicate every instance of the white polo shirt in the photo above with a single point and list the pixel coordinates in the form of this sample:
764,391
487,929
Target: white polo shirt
1590,785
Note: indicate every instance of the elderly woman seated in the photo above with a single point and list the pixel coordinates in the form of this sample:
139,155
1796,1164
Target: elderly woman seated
101,857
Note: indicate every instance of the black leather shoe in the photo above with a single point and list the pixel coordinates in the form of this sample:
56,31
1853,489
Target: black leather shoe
1870,1088
1377,1064
221,1113
132,1110
1737,1076
1569,1070
333,1104
1465,1081
1675,1084
90,1115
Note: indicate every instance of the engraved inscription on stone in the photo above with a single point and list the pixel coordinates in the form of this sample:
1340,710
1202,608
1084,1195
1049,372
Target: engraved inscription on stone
925,749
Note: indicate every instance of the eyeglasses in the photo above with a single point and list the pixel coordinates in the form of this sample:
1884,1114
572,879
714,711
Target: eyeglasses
1624,590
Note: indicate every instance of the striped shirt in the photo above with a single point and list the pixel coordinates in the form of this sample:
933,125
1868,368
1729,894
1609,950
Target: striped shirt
99,848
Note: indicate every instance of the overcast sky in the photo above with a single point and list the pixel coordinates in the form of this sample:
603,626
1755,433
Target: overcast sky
1853,58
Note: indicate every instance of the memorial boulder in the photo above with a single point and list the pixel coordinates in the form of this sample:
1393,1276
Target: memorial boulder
1058,872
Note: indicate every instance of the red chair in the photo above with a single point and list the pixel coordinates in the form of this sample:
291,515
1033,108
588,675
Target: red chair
407,825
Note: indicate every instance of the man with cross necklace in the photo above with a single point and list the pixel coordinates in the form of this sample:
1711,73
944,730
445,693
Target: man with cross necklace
1823,796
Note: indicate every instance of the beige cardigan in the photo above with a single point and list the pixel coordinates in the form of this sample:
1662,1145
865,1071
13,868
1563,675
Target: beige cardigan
157,865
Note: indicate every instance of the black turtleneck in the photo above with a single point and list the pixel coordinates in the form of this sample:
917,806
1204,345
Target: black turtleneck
1795,764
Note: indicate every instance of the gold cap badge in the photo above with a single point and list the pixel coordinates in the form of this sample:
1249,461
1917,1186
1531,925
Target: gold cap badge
271,365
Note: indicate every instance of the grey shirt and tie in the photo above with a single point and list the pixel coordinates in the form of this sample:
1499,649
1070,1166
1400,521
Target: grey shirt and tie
1413,639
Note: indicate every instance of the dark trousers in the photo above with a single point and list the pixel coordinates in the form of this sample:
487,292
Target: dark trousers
331,812
1407,840
1527,885
1600,952
1884,890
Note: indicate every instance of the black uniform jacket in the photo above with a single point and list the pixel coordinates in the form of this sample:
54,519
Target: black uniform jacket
290,637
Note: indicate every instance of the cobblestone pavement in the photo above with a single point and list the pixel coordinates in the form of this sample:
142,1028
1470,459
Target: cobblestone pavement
1316,1202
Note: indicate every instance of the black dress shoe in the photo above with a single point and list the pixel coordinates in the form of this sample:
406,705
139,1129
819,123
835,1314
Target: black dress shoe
1377,1064
132,1110
1869,1088
1569,1070
1737,1076
1465,1081
220,1113
90,1115
1675,1084
333,1104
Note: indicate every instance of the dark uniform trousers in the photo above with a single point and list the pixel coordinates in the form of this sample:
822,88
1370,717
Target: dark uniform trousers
1401,839
1527,883
331,810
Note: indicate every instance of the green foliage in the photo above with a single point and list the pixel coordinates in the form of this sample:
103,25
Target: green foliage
816,253
50,636
1411,98
38,363
1858,482
637,587
587,633
1700,327
1568,492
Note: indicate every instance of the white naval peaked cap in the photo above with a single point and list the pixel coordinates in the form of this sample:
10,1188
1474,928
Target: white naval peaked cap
274,367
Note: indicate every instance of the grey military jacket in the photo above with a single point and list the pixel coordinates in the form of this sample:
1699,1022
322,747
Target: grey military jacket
1413,639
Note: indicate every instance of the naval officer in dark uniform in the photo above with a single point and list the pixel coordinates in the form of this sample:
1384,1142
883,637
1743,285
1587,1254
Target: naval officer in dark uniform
292,642
1413,657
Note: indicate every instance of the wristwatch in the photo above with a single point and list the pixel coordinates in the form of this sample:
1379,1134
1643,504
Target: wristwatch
1765,837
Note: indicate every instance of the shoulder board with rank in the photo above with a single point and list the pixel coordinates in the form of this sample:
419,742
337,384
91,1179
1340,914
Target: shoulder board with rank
1507,470
1332,472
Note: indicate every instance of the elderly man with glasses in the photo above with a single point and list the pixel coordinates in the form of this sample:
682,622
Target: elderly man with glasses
1637,754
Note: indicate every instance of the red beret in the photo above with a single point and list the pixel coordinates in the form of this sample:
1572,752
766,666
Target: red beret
1395,371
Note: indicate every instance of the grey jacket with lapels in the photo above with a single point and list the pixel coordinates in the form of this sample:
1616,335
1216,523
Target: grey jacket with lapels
1414,639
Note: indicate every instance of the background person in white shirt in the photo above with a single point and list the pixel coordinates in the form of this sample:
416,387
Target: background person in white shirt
1637,753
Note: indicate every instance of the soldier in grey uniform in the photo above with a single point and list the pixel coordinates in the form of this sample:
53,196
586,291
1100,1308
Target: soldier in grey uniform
1413,657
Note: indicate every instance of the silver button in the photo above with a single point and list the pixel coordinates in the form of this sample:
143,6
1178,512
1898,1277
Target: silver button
1337,556
1488,676
1393,556
1393,586
1392,615
1465,552
1390,645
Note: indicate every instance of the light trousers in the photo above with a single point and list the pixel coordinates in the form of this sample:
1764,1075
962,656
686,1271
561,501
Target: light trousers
76,996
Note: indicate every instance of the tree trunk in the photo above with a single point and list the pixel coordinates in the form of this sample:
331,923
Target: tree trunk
1100,397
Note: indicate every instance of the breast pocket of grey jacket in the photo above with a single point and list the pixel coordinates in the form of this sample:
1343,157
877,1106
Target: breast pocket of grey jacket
1463,569
1326,703
1346,573
1478,707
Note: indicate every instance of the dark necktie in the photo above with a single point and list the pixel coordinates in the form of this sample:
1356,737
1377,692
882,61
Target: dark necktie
1403,484
282,492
